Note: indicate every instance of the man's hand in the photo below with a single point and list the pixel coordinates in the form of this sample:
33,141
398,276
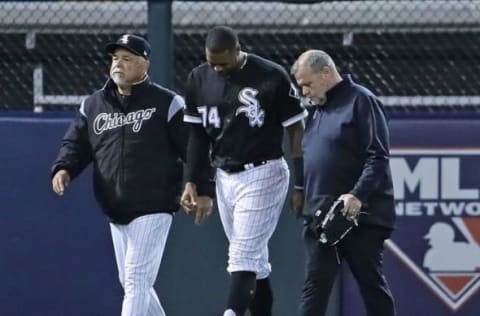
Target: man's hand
189,197
297,202
204,208
199,206
352,205
60,181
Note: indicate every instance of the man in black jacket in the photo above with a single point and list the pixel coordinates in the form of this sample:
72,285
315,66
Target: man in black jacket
346,152
132,131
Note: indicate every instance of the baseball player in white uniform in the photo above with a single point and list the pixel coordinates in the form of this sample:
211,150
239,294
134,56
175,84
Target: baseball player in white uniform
238,105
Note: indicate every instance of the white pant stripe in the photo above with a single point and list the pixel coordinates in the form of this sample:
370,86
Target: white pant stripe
138,249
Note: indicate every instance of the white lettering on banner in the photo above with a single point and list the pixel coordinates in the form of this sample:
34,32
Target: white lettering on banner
414,208
425,176
107,121
451,181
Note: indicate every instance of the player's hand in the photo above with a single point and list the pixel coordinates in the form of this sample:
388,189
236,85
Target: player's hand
297,203
188,200
203,209
60,181
352,205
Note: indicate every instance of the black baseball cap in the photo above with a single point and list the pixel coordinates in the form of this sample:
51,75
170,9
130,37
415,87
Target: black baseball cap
133,43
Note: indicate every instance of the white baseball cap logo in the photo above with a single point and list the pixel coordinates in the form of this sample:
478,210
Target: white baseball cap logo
124,39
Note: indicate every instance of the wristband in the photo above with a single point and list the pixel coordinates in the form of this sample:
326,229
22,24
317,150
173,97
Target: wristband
298,172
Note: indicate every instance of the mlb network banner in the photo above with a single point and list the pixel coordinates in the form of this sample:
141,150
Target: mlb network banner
432,261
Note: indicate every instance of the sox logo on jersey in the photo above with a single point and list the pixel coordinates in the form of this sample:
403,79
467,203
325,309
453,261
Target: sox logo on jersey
252,109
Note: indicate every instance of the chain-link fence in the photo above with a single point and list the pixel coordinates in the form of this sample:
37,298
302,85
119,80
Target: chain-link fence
416,55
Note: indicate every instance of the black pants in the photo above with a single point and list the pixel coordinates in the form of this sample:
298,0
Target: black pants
362,249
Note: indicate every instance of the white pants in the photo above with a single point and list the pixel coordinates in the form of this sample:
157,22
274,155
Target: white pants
138,251
249,204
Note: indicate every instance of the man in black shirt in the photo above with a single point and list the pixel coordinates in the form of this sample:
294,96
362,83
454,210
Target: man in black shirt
346,152
238,105
133,133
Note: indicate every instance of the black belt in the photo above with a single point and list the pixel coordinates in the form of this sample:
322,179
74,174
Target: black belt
240,168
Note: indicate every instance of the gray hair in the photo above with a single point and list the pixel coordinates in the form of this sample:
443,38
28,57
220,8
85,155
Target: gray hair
315,60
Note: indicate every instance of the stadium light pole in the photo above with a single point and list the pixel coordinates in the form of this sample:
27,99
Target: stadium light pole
160,36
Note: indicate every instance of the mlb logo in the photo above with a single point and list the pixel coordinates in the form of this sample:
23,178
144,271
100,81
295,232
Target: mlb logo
437,196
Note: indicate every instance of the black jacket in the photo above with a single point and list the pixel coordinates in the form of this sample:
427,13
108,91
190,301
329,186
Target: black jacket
136,148
346,150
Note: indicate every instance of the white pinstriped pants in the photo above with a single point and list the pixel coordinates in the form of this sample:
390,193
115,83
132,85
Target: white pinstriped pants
138,251
250,203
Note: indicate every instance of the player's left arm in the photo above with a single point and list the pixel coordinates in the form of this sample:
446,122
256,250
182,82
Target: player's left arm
373,137
292,115
295,133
